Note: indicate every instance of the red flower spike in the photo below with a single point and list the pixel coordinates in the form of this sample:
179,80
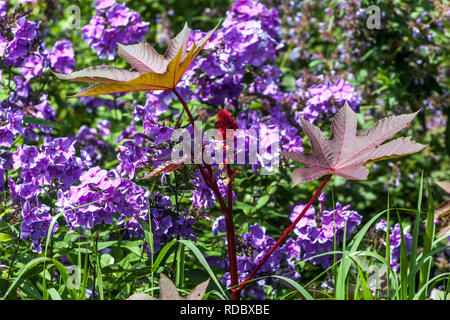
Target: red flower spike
225,121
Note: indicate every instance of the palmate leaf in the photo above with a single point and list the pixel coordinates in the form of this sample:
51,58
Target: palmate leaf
346,153
443,210
168,291
152,71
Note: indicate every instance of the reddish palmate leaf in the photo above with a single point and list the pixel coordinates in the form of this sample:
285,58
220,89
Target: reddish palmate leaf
445,185
444,208
168,291
346,153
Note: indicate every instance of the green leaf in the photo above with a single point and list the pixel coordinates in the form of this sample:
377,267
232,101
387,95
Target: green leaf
42,122
4,95
4,237
30,289
261,202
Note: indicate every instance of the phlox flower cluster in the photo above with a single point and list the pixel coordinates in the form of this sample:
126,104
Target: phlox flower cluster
22,50
316,233
42,171
114,23
395,238
166,222
323,231
247,39
103,196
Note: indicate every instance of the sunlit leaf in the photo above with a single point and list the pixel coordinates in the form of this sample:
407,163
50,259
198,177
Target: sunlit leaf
152,71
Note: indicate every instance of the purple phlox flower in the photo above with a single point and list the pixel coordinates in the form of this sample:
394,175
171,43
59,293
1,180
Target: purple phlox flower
35,225
219,225
32,66
103,4
25,29
103,128
62,57
25,157
93,175
161,133
118,15
342,90
319,94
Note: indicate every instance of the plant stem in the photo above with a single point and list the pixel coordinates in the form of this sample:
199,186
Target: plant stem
211,182
269,253
231,236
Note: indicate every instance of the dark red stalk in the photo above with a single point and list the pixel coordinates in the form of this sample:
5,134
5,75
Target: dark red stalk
268,254
227,211
231,236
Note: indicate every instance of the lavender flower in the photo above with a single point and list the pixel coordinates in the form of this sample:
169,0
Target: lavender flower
395,241
114,23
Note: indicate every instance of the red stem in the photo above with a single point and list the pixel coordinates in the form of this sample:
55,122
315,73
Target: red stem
211,182
231,236
268,254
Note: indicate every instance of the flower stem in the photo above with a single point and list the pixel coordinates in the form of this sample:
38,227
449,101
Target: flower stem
284,235
211,182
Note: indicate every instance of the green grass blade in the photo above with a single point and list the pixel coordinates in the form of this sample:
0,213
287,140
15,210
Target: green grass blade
205,265
22,271
61,268
367,294
54,294
162,253
65,276
415,238
45,292
378,257
98,268
424,259
345,265
357,239
388,246
392,274
343,269
179,272
84,285
99,278
425,286
42,122
403,264
356,295
297,286
427,244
